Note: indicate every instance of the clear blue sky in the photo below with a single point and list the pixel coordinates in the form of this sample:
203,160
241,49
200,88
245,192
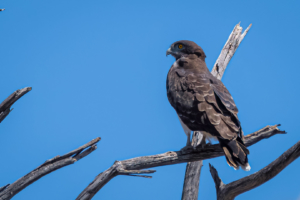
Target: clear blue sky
98,68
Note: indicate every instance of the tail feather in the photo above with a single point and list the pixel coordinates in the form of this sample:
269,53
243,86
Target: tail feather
242,145
235,153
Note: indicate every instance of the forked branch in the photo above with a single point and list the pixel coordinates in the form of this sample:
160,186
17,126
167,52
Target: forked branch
8,191
233,189
169,158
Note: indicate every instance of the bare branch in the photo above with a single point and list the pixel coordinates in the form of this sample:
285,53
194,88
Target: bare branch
8,191
228,50
267,131
233,189
218,182
116,169
168,158
192,174
2,9
9,101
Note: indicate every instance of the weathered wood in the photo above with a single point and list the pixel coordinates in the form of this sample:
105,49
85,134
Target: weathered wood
116,169
10,100
192,180
169,158
228,50
233,189
8,191
192,173
4,187
218,182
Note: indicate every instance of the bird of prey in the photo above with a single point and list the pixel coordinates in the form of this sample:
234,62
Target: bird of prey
203,103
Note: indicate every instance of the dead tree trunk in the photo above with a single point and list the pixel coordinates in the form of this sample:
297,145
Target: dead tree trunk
192,174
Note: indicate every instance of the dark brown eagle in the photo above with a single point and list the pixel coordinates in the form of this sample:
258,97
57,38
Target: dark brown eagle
203,103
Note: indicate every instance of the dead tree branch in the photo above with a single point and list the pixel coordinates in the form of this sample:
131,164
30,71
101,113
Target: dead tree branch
117,169
2,9
9,101
233,189
169,158
228,50
192,174
8,191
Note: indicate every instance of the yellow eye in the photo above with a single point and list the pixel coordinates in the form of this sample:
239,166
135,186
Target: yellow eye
180,46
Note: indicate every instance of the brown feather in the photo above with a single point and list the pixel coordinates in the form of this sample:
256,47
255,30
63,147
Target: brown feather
203,103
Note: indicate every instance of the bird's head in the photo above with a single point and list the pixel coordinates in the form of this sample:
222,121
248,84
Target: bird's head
185,48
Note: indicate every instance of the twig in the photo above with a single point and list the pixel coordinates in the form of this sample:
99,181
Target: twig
8,191
116,169
268,132
233,189
168,158
135,172
192,173
9,101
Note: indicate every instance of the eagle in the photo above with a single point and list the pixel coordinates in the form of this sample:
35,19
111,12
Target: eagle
203,103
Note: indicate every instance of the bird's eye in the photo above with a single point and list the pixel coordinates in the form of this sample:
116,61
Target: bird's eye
180,46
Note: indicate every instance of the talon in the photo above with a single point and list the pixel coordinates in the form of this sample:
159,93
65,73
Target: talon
187,148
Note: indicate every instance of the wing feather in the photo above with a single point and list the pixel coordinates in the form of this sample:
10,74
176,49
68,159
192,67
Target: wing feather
204,104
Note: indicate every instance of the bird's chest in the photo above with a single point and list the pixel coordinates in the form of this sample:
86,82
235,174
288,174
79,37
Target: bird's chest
179,93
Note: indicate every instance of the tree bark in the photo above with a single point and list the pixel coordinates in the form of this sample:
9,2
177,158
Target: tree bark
9,191
233,189
10,100
169,158
192,173
228,50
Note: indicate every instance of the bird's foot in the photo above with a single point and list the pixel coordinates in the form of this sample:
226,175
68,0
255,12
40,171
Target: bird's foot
207,144
204,144
187,148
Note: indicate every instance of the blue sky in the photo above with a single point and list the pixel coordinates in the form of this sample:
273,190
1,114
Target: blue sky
98,68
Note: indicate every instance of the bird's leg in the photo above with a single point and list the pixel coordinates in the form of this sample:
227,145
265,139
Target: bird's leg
188,142
208,143
188,146
187,131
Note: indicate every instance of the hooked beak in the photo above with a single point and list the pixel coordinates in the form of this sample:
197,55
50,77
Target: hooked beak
169,51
